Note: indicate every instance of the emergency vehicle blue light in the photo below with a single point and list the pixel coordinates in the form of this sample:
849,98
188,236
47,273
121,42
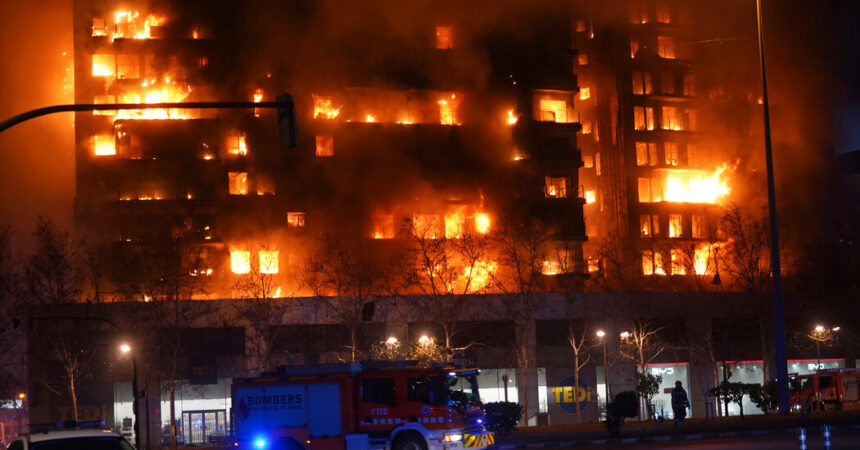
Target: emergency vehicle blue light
480,420
260,443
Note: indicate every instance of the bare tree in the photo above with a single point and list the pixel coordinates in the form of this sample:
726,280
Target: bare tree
621,264
641,344
581,343
345,273
53,276
263,308
166,278
522,247
12,368
446,272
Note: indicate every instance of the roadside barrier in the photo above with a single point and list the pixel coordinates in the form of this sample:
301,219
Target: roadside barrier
801,438
825,434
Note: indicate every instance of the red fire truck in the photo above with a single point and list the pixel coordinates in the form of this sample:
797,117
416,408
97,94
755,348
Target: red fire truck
826,389
360,406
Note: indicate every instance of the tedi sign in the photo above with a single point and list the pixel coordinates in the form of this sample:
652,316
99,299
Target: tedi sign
567,394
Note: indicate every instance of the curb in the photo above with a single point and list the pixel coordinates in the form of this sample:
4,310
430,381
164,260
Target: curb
658,438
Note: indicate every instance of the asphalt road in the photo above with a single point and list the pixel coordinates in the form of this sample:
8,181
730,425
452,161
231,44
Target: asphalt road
847,439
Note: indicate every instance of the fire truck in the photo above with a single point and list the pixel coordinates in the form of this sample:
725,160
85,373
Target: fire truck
825,390
360,406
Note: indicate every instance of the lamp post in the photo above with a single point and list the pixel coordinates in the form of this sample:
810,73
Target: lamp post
21,396
135,393
821,335
602,335
776,271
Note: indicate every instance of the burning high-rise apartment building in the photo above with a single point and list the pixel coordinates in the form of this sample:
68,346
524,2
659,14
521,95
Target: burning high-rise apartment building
525,152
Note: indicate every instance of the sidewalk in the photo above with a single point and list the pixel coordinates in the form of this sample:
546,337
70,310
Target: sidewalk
646,432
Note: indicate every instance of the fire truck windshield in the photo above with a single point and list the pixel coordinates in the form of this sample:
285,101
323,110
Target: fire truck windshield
463,391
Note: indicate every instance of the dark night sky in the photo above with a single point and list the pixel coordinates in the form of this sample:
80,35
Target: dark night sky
813,51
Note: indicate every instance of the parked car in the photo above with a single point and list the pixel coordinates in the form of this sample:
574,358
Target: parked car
70,437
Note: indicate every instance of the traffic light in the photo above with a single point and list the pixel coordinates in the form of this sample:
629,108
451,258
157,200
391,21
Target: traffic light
287,121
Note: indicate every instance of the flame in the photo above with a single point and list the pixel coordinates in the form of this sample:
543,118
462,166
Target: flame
481,274
426,226
695,186
590,196
155,91
700,260
238,145
324,108
512,118
240,261
104,145
383,226
553,111
258,96
482,223
448,110
130,25
370,118
268,261
454,224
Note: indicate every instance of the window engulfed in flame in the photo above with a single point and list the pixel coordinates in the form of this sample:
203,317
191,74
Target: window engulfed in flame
240,261
590,196
700,260
675,225
152,90
324,145
553,111
127,25
268,261
686,186
652,263
555,187
104,145
237,183
448,110
237,145
104,65
479,275
584,93
482,223
678,267
512,118
560,263
324,108
454,223
427,226
370,118
295,219
444,37
383,226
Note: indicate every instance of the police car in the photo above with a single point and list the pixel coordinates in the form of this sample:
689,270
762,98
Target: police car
69,438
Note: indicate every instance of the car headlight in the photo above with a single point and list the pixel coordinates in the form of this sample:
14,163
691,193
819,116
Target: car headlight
453,437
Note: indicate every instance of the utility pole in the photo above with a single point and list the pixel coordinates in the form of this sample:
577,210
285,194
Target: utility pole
776,271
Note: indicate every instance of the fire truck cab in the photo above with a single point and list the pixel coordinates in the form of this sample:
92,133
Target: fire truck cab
826,389
360,406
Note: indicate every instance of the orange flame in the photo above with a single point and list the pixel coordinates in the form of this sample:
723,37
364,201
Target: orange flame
512,118
695,186
324,108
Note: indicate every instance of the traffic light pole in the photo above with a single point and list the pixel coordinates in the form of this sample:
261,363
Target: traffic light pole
284,104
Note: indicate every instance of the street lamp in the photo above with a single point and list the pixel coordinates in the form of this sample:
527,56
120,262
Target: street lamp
602,335
821,335
424,340
391,340
135,393
21,396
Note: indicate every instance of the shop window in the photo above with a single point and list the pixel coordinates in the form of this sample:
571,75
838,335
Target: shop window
444,37
689,84
670,149
324,145
643,117
667,82
268,260
666,47
663,13
670,119
240,261
642,83
678,267
295,219
646,154
553,111
675,225
698,228
238,183
555,187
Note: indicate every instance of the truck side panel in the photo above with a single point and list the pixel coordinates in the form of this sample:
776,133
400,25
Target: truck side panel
266,407
324,410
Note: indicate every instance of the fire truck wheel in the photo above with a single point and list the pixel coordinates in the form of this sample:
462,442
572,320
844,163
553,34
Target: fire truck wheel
409,440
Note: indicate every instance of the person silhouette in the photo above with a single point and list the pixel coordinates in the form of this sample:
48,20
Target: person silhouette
680,403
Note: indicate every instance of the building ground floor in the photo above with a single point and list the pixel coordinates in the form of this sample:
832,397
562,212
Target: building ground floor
220,341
